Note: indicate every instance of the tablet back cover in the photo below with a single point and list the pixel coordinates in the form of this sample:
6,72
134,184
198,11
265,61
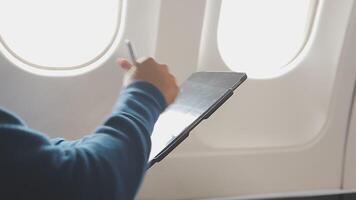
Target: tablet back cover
200,95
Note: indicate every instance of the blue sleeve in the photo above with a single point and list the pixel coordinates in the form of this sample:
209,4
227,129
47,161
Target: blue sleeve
108,164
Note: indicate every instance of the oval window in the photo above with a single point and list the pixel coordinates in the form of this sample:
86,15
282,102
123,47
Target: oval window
61,34
259,36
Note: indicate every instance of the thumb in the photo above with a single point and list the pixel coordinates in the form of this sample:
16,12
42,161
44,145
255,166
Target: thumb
124,63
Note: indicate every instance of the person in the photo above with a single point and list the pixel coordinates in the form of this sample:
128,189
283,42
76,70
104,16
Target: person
108,164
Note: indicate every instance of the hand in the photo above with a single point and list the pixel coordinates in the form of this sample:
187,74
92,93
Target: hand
157,74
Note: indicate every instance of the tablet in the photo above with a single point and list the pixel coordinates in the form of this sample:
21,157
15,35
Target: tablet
200,95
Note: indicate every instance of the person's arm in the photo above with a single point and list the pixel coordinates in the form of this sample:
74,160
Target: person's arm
7,117
111,162
120,147
108,164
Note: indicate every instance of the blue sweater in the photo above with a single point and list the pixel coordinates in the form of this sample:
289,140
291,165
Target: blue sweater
106,165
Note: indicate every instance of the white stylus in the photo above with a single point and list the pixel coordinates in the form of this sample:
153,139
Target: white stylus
131,52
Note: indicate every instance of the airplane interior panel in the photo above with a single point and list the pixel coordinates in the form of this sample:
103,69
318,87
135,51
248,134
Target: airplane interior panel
288,132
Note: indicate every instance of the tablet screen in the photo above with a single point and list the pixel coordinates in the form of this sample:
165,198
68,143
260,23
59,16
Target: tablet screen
199,94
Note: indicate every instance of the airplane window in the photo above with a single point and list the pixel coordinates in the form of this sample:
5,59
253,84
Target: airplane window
58,35
259,36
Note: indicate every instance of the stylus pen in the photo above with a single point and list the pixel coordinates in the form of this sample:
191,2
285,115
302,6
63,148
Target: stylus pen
131,53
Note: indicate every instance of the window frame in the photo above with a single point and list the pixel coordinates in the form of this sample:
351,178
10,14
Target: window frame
311,15
93,63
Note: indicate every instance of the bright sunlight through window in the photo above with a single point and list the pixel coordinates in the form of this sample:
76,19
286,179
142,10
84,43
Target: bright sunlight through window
61,34
260,37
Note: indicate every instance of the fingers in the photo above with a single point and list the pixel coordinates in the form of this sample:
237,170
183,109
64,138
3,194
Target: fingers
144,61
164,67
124,63
149,61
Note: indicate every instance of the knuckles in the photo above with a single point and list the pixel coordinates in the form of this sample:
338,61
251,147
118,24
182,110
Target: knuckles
158,74
146,61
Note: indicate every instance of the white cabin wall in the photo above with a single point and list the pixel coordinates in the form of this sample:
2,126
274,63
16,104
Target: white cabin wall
170,30
349,172
179,35
213,163
72,107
